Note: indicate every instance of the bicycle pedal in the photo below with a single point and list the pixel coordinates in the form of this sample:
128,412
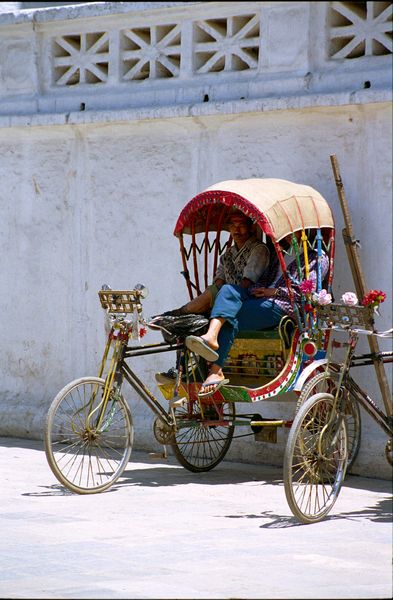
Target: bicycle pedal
177,402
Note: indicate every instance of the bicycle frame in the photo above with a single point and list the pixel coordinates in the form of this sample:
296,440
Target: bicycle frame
118,370
383,420
125,371
345,381
325,434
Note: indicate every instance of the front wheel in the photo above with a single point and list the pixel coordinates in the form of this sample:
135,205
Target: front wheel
315,459
88,446
327,382
204,434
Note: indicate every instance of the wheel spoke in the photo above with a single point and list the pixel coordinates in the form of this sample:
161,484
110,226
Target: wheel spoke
86,459
327,382
315,459
199,445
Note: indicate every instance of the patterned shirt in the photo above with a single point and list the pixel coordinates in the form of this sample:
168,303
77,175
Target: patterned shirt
248,262
282,298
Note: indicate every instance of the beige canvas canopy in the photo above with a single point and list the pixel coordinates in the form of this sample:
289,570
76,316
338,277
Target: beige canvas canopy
278,206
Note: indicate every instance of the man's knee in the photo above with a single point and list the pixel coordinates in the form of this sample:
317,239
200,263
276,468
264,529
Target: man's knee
231,291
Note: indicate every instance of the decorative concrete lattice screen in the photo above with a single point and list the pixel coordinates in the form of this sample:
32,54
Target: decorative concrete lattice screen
360,29
151,52
81,58
158,51
185,49
226,44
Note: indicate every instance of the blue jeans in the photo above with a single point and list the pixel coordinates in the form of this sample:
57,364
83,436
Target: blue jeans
241,311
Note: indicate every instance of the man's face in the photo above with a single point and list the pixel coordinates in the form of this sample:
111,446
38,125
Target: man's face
239,228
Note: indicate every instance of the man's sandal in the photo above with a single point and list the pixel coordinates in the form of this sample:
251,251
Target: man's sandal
199,346
217,385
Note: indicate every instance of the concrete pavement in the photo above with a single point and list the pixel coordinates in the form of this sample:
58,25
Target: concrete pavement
162,532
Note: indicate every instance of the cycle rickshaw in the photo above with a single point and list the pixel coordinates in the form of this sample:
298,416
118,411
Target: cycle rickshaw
89,430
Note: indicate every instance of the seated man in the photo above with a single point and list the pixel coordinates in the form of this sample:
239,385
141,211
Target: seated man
242,264
237,309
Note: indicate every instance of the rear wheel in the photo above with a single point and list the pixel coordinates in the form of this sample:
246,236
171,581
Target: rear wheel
204,434
315,459
85,455
327,382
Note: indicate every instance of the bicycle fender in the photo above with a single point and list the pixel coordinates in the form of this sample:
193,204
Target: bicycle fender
307,371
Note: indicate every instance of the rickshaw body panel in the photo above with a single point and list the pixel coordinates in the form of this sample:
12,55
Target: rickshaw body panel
285,381
291,377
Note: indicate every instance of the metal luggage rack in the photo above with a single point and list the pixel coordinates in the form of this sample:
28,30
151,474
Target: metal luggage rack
120,301
347,316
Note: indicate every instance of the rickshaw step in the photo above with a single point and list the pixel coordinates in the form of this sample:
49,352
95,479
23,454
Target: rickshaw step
265,430
268,423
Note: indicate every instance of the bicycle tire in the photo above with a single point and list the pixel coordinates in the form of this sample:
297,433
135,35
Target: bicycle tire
87,460
313,479
198,444
324,382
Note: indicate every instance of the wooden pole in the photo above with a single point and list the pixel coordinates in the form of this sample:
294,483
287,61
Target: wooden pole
352,248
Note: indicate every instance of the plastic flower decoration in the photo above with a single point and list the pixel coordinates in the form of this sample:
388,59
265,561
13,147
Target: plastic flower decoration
349,299
322,298
307,286
374,298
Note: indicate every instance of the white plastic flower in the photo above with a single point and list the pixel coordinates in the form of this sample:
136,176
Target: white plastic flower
322,297
349,298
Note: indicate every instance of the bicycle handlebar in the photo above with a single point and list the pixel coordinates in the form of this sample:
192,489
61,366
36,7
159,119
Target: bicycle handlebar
384,334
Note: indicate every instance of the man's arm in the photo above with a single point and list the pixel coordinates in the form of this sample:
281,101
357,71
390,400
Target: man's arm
219,276
256,264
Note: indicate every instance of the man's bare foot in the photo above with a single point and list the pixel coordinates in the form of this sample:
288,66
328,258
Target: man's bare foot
212,342
213,380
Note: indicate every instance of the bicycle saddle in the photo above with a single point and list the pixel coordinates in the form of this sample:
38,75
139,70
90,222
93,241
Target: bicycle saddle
174,327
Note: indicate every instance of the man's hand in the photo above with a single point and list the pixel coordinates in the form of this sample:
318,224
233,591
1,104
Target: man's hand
219,282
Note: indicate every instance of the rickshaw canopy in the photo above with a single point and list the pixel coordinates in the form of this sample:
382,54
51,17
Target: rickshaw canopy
279,207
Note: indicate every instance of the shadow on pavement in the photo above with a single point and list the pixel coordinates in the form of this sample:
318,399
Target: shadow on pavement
175,475
380,513
161,473
9,442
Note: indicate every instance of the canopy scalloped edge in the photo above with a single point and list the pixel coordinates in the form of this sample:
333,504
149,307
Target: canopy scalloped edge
278,206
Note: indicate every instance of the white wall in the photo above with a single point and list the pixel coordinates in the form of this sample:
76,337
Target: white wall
92,197
84,205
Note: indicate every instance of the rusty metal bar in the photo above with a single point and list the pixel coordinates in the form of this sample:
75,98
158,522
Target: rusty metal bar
351,247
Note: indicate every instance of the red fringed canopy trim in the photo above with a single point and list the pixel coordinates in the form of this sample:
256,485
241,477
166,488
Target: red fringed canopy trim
195,207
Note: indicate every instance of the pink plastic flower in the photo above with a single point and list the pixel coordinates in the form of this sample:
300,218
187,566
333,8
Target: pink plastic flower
307,286
349,298
322,298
